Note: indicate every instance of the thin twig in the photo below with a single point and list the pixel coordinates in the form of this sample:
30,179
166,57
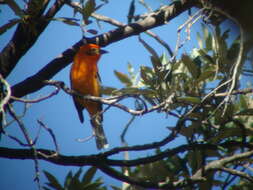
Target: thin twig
50,131
30,142
123,134
187,24
114,22
55,92
238,173
3,101
238,62
146,5
111,101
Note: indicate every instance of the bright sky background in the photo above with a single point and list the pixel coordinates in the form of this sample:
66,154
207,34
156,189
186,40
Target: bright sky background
59,113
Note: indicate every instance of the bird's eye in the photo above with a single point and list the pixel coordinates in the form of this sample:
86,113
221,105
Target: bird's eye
92,51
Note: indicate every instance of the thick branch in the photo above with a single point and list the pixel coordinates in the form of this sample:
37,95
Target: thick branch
102,158
158,18
102,161
24,38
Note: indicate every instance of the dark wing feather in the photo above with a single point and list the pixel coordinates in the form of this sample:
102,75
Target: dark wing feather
79,110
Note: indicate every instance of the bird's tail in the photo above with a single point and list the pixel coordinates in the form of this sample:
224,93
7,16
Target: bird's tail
98,130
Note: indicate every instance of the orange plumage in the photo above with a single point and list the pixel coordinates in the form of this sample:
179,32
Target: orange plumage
84,80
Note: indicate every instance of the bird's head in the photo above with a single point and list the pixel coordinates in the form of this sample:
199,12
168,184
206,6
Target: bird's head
92,50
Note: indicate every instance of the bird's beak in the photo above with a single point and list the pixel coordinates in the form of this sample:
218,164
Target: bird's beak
103,51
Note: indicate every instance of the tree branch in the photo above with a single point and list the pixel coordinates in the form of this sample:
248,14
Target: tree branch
102,162
96,159
24,38
155,19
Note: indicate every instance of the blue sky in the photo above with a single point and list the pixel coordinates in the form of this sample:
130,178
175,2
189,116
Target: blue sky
59,113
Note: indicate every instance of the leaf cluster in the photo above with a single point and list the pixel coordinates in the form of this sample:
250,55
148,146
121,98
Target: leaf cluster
75,181
199,82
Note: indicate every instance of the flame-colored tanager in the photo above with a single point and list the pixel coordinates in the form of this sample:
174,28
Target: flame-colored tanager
85,80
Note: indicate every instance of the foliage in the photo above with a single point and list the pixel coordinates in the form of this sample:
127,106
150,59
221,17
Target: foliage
192,77
203,90
73,181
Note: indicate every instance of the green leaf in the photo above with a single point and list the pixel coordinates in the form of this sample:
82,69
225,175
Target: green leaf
93,186
234,50
130,69
200,42
123,78
147,75
88,9
246,112
191,66
154,58
78,173
205,31
68,179
243,102
8,25
206,75
164,59
131,11
229,132
133,90
88,176
53,182
190,99
207,58
65,20
115,187
107,90
75,184
207,37
45,188
195,160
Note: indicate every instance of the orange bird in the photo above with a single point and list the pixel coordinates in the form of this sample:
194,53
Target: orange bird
84,79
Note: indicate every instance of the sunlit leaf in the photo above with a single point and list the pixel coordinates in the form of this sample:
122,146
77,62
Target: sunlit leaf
156,64
147,75
69,21
123,78
164,59
205,31
132,90
88,9
200,41
106,90
189,99
130,69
